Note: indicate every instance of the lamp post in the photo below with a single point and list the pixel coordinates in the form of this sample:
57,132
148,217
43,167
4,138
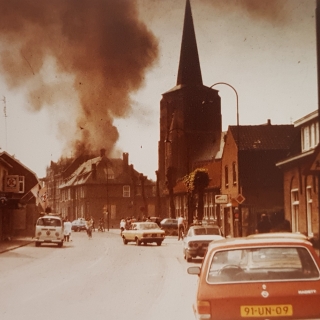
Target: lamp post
235,91
238,139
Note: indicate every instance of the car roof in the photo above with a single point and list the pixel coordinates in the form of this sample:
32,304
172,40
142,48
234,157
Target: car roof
143,222
49,216
204,226
276,238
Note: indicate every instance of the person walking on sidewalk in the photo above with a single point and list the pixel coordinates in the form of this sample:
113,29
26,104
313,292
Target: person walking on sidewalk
181,223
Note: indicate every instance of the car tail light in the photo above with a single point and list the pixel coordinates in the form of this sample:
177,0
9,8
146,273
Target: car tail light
193,244
203,310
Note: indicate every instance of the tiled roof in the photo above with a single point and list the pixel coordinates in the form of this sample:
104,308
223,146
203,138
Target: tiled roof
84,173
264,137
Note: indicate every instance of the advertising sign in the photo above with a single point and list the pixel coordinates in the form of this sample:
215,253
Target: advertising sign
221,198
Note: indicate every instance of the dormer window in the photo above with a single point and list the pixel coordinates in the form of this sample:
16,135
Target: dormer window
309,136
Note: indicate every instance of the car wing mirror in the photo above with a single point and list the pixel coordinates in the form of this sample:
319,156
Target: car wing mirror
194,270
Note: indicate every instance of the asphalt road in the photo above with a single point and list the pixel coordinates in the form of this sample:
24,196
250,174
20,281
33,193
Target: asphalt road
97,279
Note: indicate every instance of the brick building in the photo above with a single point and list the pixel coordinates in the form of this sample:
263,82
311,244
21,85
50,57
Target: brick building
95,186
301,178
250,177
18,208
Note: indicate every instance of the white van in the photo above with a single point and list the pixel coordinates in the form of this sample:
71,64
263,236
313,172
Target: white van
49,229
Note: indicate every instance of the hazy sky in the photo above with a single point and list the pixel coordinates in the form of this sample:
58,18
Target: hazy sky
265,49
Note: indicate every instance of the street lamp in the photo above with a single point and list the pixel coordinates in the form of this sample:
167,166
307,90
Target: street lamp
235,91
238,135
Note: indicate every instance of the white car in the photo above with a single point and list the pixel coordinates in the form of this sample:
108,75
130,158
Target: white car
143,232
49,229
195,244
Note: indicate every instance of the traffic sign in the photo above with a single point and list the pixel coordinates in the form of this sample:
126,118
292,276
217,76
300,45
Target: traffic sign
240,198
221,198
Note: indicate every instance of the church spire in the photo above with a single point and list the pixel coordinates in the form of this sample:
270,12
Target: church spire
189,72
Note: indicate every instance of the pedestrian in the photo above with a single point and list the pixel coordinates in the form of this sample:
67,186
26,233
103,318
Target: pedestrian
101,225
264,225
89,222
122,225
180,227
67,230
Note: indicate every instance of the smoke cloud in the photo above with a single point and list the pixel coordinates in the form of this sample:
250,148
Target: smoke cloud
100,46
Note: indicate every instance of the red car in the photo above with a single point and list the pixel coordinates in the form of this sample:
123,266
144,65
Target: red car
263,276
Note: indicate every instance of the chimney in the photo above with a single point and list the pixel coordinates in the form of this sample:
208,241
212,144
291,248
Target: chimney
125,157
94,171
269,122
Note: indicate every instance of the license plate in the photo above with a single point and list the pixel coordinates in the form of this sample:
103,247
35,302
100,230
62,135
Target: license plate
280,310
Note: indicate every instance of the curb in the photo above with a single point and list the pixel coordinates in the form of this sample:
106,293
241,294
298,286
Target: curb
16,244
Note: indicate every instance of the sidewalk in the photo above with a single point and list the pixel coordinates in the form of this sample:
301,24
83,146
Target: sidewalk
12,244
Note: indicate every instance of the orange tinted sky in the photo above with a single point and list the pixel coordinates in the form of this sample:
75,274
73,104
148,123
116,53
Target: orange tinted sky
266,52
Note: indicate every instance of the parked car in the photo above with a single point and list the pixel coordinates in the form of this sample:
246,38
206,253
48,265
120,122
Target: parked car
170,226
196,242
143,232
78,225
49,229
156,220
263,276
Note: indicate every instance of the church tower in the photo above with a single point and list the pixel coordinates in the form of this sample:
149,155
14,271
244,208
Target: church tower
190,114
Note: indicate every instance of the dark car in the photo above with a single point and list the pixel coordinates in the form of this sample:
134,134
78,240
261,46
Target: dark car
170,226
78,225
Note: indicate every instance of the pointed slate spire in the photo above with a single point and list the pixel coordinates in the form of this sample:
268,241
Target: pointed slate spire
189,72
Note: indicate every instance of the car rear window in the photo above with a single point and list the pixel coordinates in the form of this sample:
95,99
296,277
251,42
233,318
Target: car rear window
203,231
262,264
49,222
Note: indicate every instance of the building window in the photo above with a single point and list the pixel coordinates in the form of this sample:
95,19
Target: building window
21,184
295,210
178,207
206,207
126,191
309,136
185,206
211,206
234,173
305,138
226,176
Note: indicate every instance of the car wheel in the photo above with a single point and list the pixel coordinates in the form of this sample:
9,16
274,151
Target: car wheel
125,241
138,242
60,244
37,244
159,243
145,243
